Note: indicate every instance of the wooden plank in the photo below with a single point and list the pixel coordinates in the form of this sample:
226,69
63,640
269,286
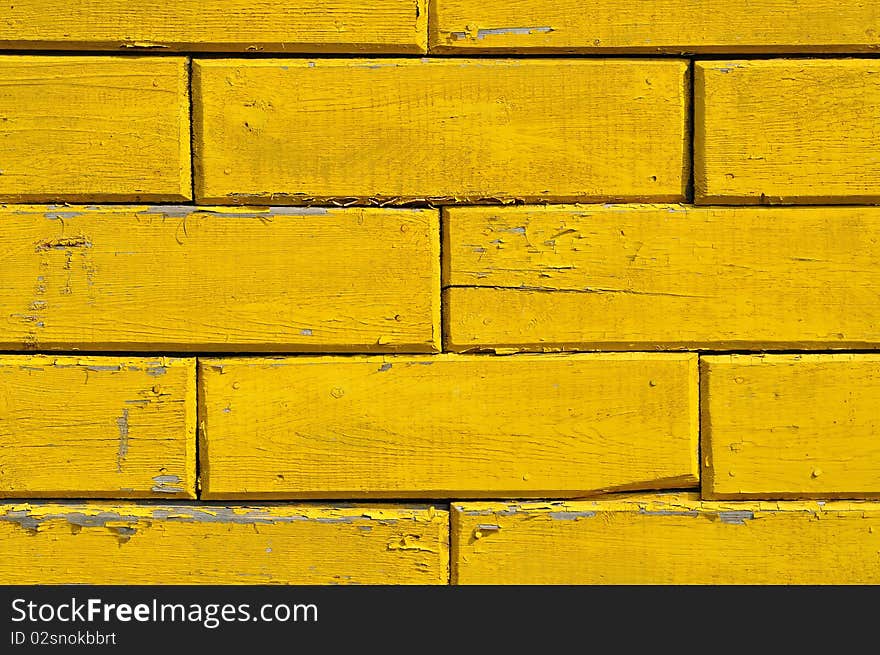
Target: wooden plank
97,427
292,26
642,277
791,426
396,131
787,131
655,26
447,426
666,539
184,278
209,544
94,129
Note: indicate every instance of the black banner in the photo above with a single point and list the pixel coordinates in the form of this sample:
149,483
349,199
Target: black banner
168,619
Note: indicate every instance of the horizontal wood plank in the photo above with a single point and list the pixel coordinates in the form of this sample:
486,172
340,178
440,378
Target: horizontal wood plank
397,131
97,427
94,129
637,277
668,26
787,131
666,539
293,26
127,544
791,426
447,426
185,278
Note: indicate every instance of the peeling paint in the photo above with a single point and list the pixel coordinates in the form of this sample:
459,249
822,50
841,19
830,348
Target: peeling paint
111,368
167,484
122,452
571,516
63,216
410,542
727,68
170,211
736,517
28,521
186,211
668,512
481,34
63,243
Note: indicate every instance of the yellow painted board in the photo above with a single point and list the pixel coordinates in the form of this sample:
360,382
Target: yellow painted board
642,277
110,543
791,426
447,426
94,129
655,26
180,278
97,427
292,26
666,539
793,131
396,131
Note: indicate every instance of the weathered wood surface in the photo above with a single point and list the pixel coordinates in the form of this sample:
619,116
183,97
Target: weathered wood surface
101,427
791,426
253,26
652,26
109,543
393,131
250,279
94,129
780,131
447,426
666,539
637,277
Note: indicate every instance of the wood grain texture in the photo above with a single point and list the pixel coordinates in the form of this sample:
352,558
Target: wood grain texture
666,539
97,427
791,426
641,277
252,279
647,26
209,544
217,25
395,131
447,426
94,129
787,131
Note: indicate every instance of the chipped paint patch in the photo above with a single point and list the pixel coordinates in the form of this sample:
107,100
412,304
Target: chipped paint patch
410,542
31,522
572,516
185,211
122,425
736,517
63,243
167,484
481,34
668,512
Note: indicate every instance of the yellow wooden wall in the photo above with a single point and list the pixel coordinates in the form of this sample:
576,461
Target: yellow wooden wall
447,292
